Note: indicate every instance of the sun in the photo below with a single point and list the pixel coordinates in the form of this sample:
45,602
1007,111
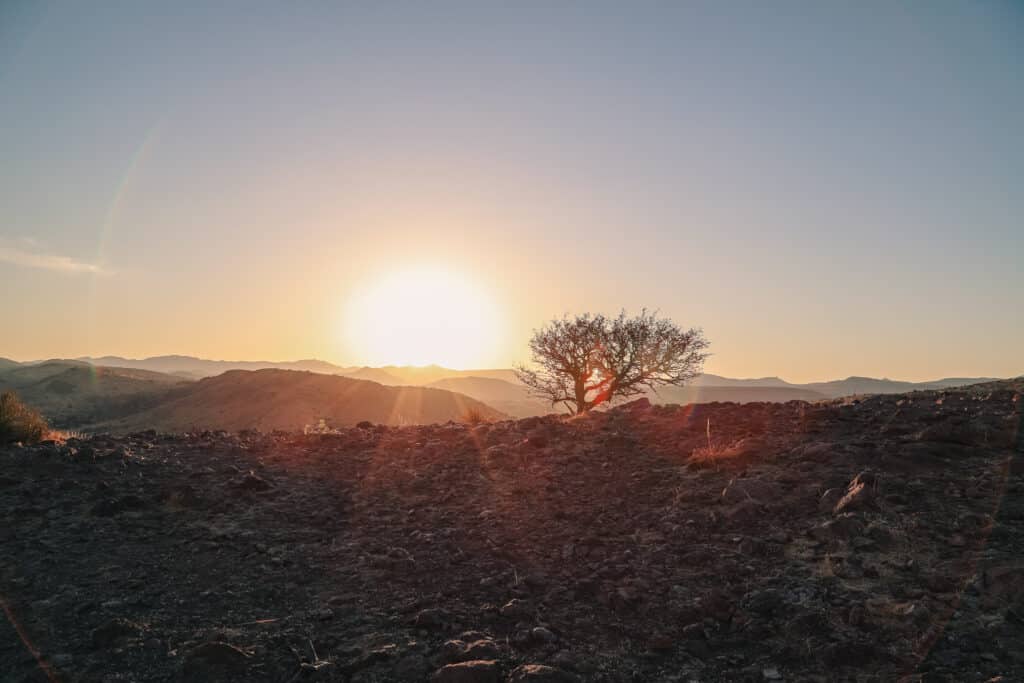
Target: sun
421,316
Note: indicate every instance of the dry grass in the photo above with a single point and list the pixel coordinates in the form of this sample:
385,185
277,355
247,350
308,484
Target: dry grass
62,435
19,422
716,452
473,416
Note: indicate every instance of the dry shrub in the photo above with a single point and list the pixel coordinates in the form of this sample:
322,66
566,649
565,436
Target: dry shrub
473,416
19,422
717,452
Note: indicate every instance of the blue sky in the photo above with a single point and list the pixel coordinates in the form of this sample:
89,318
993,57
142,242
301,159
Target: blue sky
827,188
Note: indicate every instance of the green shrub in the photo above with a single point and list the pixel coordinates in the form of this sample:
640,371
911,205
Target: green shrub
18,422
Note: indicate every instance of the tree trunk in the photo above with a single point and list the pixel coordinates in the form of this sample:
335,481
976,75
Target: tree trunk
581,396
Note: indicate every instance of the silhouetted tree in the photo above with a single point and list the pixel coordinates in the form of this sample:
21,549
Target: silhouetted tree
589,360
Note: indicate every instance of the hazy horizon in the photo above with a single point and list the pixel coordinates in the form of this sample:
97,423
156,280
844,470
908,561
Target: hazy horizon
283,361
828,191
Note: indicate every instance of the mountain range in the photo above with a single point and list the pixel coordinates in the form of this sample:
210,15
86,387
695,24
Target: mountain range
175,393
197,368
271,399
429,374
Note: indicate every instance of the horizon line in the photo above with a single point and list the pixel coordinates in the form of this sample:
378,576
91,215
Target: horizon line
87,359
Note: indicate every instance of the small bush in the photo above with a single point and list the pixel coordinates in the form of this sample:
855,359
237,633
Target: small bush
714,453
473,416
18,422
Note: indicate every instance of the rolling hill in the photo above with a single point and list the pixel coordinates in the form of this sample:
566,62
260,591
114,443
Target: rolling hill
734,394
289,399
428,374
110,392
710,380
512,399
190,366
71,393
379,375
515,400
867,385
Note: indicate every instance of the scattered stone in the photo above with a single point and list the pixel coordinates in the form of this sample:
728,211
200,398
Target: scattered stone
592,549
859,494
517,609
116,506
744,511
693,631
542,635
116,632
537,440
740,490
475,671
540,673
215,661
411,667
485,648
252,482
431,618
829,500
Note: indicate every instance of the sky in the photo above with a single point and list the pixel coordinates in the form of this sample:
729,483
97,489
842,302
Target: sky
826,188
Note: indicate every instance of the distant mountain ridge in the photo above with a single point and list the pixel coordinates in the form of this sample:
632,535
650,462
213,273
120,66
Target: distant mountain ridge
202,367
73,393
270,399
120,392
424,375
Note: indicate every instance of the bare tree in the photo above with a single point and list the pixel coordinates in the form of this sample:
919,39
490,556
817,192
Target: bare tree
589,360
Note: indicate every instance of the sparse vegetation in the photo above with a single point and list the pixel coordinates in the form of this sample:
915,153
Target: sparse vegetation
711,452
19,422
474,416
592,360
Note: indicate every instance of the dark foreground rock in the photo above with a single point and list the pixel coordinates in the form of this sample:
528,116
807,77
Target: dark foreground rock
859,540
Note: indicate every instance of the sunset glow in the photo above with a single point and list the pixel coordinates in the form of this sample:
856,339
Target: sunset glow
422,315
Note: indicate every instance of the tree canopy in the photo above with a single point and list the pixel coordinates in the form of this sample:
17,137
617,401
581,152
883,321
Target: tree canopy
590,360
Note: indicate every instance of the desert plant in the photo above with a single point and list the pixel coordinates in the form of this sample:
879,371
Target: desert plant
19,422
591,360
473,416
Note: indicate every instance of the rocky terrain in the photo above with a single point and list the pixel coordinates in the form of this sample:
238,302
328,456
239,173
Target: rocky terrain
879,539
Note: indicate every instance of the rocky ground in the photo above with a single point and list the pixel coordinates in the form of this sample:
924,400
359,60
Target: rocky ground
871,540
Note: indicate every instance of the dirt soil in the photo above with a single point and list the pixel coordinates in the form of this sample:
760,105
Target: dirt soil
879,539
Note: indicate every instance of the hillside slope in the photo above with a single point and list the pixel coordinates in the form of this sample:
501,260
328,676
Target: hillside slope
377,375
289,399
196,368
733,393
71,394
511,399
868,385
515,399
871,540
428,374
